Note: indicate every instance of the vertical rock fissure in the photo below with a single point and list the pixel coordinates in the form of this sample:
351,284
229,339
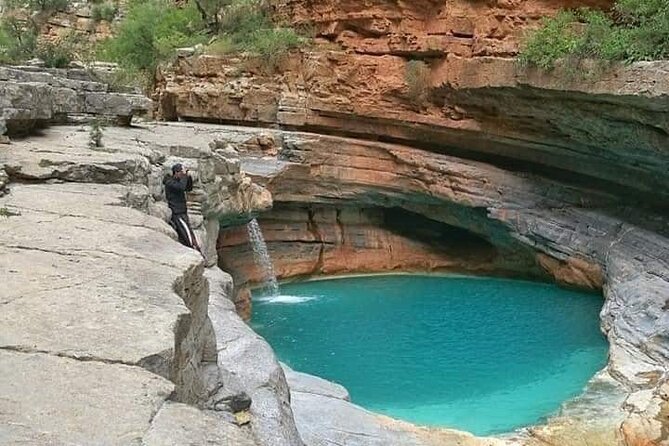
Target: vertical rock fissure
312,226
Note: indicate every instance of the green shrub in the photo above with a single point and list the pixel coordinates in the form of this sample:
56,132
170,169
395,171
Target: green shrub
244,26
634,30
271,45
152,30
221,46
55,54
18,40
124,79
103,11
150,33
241,18
417,77
4,212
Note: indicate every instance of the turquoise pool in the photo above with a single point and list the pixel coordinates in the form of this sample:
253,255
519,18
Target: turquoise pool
478,354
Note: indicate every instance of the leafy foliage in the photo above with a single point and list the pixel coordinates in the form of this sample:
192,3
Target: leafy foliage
633,30
4,212
95,135
19,35
150,33
272,45
18,40
103,11
152,30
124,79
58,53
244,26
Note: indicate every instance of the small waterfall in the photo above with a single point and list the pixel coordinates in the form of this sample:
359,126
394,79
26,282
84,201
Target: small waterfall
261,255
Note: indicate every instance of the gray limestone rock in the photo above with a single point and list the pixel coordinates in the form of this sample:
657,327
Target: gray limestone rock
31,97
248,358
106,278
49,400
111,303
179,424
325,421
305,383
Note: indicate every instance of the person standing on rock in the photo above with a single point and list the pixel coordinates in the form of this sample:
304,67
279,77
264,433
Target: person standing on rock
176,187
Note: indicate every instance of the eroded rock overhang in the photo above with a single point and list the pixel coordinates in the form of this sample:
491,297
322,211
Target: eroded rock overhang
611,132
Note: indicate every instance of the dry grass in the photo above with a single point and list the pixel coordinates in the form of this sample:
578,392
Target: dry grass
417,77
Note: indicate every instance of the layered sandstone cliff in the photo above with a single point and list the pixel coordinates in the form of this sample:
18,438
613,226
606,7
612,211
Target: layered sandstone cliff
546,175
474,100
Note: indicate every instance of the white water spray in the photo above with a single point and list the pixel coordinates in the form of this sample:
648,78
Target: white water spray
261,255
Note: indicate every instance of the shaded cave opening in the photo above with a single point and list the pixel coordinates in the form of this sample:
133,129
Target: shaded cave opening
306,240
437,236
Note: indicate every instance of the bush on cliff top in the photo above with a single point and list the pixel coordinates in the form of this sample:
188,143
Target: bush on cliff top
103,12
633,30
245,26
19,33
55,54
151,31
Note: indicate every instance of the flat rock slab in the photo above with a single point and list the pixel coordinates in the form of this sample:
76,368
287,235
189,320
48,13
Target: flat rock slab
326,421
305,383
49,400
65,155
181,425
86,277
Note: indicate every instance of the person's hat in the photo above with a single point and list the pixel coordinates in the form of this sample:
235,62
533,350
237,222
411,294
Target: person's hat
178,167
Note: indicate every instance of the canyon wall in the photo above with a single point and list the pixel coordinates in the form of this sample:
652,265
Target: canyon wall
408,137
509,223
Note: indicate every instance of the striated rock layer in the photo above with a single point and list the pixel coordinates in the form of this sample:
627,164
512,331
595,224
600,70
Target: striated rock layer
611,132
306,240
31,98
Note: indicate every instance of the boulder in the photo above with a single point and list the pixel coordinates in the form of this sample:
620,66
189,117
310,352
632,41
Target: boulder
324,420
34,97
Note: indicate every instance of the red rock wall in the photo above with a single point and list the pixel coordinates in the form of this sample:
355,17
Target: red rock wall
424,28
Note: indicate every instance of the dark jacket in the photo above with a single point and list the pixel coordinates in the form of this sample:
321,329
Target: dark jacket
175,192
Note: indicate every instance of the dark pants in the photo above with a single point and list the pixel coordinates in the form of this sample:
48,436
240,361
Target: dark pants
186,235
